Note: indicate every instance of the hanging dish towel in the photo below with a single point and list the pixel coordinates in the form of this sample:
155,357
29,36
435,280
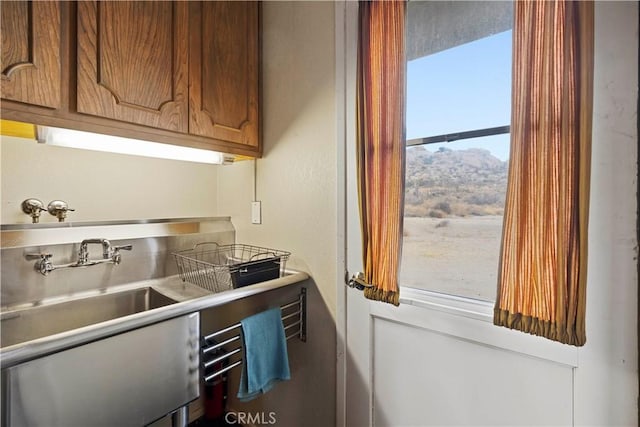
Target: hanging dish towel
266,361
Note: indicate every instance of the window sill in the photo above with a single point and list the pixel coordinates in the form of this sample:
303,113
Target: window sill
469,320
461,306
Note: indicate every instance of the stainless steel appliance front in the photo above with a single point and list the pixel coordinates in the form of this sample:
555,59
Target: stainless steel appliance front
129,379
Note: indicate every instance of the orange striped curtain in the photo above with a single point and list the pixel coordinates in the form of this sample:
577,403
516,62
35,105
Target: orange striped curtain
381,143
542,276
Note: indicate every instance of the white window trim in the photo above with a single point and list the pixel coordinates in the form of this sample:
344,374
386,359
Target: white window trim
471,320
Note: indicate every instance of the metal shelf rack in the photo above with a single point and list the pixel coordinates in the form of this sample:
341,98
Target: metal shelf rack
294,317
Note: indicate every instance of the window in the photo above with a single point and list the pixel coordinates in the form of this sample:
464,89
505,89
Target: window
458,114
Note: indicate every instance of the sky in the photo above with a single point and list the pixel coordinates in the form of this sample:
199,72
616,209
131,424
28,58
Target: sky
464,88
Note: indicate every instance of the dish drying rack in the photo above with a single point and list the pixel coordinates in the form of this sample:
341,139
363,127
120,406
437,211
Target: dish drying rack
219,268
294,318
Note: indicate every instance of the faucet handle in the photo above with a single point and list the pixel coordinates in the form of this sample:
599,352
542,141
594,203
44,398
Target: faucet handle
33,207
116,257
123,248
59,209
43,265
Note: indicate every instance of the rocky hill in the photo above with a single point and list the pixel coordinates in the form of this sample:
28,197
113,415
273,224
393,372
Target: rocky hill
448,183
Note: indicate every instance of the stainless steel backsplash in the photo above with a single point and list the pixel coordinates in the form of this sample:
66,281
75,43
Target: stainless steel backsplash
153,243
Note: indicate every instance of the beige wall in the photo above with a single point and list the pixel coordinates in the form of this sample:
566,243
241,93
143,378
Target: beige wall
296,182
296,179
102,186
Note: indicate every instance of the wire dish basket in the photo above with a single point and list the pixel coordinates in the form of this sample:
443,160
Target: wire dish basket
219,268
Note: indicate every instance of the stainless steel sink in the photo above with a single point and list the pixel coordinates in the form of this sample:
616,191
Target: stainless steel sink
27,324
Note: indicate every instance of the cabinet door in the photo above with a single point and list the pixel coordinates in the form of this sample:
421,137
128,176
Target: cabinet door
31,66
223,70
132,62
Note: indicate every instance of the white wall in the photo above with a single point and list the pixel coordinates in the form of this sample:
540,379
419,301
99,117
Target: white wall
606,381
102,186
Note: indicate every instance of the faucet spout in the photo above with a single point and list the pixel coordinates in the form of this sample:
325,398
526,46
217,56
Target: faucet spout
83,255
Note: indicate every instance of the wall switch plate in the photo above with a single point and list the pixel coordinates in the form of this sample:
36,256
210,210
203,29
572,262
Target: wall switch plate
256,212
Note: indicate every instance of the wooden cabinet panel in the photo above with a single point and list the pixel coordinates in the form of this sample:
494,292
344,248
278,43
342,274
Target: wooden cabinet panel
176,72
30,64
223,71
132,62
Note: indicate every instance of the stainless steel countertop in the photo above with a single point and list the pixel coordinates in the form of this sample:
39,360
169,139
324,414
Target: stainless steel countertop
191,299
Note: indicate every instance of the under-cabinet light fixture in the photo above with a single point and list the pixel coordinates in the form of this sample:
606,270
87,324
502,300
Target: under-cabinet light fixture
115,144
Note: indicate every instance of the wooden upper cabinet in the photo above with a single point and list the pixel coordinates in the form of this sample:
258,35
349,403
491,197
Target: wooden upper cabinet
183,72
31,64
223,71
132,62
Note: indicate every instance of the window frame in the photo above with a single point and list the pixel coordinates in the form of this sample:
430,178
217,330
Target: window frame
451,137
480,306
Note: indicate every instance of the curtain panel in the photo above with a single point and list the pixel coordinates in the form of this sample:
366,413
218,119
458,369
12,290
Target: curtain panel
543,267
381,143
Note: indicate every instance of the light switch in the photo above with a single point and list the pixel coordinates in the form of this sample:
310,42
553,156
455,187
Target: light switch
256,212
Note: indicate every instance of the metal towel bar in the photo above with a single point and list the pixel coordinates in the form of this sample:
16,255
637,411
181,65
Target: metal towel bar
210,345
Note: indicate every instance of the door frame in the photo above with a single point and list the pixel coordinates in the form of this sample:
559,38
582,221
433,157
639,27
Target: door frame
354,376
345,15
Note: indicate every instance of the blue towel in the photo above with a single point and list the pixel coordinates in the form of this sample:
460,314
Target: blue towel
266,361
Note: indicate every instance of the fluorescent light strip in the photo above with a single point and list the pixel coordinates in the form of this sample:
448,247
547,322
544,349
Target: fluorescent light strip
115,144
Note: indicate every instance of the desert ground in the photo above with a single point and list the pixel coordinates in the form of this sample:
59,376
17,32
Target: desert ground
457,256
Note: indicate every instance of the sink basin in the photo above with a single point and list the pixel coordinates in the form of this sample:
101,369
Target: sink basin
27,324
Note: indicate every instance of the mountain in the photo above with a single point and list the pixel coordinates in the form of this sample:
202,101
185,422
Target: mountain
447,183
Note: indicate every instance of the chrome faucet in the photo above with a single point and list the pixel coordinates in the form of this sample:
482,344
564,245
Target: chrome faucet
83,254
110,254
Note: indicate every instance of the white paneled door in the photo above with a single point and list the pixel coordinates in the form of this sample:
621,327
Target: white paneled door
434,360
